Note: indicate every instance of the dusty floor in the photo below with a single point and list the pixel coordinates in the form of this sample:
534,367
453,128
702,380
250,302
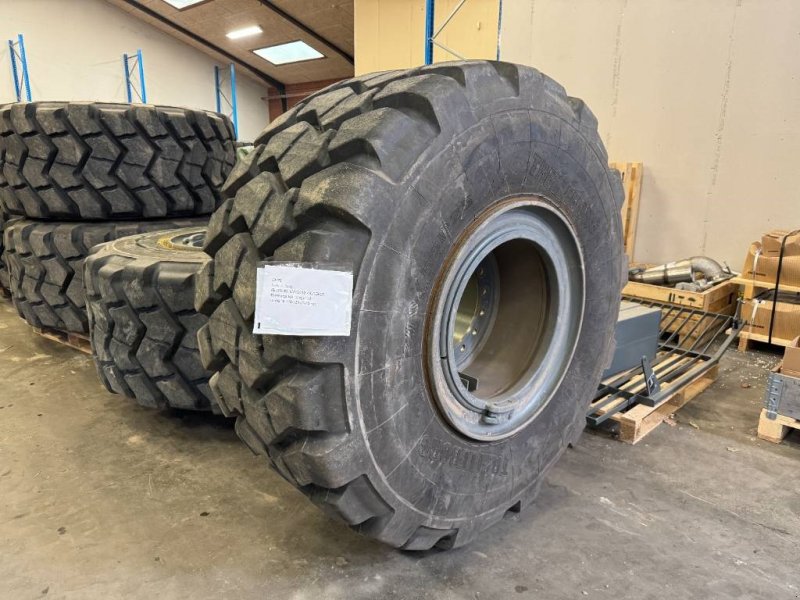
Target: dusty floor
102,499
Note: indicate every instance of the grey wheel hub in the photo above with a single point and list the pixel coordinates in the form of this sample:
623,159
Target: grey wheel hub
507,314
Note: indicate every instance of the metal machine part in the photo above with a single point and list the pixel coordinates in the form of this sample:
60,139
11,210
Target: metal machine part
635,336
507,318
683,271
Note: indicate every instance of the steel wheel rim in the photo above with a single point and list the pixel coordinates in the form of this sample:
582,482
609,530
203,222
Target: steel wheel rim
188,241
531,260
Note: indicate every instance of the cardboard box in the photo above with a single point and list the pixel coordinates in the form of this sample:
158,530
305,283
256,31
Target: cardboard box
759,267
757,313
771,243
791,359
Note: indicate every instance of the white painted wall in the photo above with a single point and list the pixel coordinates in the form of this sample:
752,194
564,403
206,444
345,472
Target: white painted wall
705,93
75,47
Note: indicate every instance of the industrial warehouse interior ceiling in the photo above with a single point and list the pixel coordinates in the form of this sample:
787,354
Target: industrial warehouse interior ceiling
233,30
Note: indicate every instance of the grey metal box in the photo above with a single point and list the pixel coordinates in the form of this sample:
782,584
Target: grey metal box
782,396
636,335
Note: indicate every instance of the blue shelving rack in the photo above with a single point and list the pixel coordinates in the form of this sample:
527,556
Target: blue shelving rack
134,66
431,33
231,108
19,68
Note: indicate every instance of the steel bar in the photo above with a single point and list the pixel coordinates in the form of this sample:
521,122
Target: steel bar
677,364
449,18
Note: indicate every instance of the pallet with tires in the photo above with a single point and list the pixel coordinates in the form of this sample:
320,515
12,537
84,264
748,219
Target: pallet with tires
77,174
461,195
76,341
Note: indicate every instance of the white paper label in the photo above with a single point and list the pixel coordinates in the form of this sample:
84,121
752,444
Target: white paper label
293,300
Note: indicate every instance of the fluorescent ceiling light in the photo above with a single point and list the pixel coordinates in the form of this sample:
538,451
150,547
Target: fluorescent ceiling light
288,53
243,32
181,4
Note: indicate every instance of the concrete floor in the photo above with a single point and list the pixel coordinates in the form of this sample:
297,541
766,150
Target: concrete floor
102,499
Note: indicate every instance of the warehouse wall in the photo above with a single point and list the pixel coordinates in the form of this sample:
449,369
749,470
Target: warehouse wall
706,94
390,34
75,48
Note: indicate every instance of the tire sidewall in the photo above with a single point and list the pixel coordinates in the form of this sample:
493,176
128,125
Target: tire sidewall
418,457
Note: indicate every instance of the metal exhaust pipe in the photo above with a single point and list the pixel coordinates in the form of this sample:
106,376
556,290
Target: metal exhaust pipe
681,271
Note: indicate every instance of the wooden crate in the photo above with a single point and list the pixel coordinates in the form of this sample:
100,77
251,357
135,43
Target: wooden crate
639,420
720,298
775,430
77,341
632,185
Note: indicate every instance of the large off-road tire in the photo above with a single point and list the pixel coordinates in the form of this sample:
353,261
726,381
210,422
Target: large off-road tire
140,301
5,290
92,161
5,285
480,176
45,264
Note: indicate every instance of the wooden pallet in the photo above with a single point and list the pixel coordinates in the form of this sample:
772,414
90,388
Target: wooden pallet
78,341
751,288
632,184
639,420
747,340
775,430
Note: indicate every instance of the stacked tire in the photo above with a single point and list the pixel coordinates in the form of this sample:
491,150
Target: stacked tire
140,302
5,285
5,218
78,174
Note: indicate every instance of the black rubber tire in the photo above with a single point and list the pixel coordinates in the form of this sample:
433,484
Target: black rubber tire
5,284
383,172
5,289
45,264
140,302
79,161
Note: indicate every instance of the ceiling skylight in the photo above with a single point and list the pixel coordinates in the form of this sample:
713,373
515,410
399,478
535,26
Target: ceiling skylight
291,52
181,4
